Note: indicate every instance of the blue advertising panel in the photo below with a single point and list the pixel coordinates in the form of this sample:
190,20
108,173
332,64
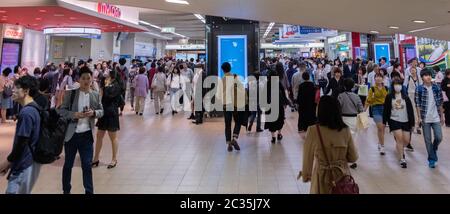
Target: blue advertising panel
233,49
382,50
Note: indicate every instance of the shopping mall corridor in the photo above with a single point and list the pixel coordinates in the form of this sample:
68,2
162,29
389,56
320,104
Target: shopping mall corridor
165,154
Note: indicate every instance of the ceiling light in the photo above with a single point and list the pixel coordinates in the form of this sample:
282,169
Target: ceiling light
2,11
178,2
269,28
38,19
394,27
374,32
151,25
42,11
419,21
200,17
72,18
423,29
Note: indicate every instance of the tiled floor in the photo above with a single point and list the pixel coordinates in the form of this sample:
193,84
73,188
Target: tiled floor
165,154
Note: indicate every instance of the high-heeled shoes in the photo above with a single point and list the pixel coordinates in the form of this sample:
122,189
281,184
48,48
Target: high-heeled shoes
95,164
280,137
112,165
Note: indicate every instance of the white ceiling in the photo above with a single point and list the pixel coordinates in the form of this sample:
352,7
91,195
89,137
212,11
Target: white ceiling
184,23
347,15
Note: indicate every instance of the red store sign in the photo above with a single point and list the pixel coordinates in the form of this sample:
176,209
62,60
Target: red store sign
109,10
13,32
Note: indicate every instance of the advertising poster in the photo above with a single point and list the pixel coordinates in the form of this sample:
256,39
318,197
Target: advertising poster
433,52
382,50
10,55
233,49
58,49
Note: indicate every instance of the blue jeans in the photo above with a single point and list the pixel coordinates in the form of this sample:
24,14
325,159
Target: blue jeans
432,147
23,182
83,143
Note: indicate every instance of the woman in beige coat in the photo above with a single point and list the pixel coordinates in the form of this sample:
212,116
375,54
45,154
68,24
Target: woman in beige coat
339,148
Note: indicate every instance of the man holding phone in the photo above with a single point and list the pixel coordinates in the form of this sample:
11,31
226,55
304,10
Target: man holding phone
83,111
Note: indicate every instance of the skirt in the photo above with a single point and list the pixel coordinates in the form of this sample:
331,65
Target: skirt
109,123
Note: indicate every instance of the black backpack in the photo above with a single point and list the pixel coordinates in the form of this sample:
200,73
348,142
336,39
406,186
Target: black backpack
52,134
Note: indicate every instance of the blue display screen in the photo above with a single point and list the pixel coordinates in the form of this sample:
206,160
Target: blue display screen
233,49
382,50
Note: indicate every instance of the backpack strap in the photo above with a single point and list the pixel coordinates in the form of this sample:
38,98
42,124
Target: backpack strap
72,98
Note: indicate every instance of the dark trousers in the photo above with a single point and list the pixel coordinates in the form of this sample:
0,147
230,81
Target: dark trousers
229,116
447,113
253,115
84,144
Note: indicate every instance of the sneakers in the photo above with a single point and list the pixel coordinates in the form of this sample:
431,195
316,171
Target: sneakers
403,163
230,147
235,145
280,137
409,148
162,111
381,149
432,164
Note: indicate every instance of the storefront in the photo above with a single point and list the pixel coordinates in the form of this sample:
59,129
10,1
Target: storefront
313,49
66,30
339,46
186,52
407,48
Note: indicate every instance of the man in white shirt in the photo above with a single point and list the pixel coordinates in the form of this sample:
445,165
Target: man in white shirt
429,102
83,106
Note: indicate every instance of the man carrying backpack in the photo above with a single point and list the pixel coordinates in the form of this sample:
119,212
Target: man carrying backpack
82,106
23,170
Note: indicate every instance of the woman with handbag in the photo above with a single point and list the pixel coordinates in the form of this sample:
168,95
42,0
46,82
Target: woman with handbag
399,114
111,95
327,151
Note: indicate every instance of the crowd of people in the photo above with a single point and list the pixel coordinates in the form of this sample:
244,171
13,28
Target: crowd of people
332,94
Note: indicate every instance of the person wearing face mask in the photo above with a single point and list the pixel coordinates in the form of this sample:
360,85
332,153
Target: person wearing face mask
399,114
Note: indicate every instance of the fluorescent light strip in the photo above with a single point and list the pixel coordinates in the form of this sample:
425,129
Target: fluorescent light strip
151,25
200,17
268,29
424,29
178,2
177,34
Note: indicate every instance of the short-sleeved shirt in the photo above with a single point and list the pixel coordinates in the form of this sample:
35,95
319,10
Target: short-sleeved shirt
28,125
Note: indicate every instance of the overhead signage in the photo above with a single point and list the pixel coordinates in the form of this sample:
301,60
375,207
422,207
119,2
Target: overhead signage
13,32
168,30
186,47
296,31
109,10
91,31
337,39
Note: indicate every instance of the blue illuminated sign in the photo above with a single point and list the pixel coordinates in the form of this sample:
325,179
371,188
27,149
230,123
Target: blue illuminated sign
233,49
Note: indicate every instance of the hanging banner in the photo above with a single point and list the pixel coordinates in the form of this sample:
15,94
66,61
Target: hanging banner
296,32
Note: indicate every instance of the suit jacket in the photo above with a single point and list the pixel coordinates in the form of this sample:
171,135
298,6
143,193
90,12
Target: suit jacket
350,73
94,102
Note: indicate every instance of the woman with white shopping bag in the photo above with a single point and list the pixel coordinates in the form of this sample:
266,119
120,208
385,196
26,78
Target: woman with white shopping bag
351,106
399,114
